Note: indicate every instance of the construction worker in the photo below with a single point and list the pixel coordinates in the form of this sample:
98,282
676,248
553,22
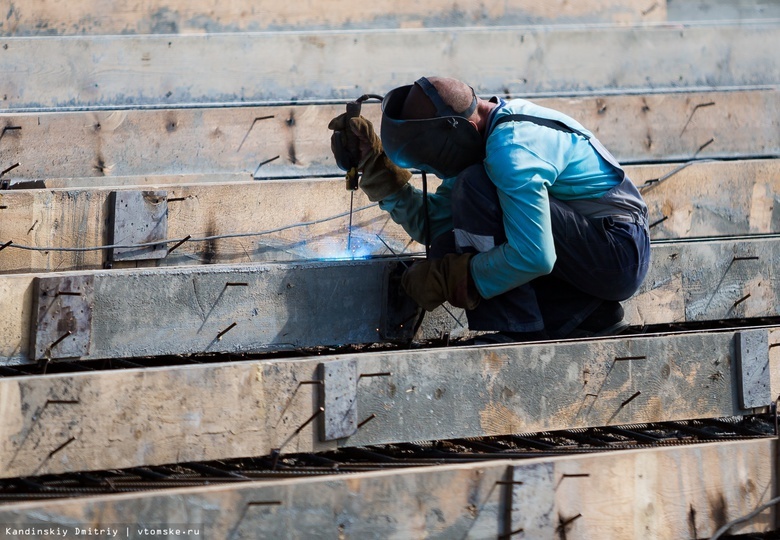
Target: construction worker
535,229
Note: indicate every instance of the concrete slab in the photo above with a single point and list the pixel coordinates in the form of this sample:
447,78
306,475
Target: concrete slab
125,418
699,200
293,141
198,16
618,495
220,309
273,306
245,67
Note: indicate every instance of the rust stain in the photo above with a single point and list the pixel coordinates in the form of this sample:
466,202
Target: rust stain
494,361
498,418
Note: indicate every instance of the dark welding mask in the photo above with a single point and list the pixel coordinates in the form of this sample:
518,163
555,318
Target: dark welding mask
443,145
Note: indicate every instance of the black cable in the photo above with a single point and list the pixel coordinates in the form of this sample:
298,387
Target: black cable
426,217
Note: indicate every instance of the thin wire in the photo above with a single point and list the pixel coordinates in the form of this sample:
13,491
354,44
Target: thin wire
720,532
656,181
204,239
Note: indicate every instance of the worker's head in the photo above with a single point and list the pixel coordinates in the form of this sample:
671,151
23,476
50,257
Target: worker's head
426,125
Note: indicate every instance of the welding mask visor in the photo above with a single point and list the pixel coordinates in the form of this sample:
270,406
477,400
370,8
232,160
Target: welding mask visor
444,145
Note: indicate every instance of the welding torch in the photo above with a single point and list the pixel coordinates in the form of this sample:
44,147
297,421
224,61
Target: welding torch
349,154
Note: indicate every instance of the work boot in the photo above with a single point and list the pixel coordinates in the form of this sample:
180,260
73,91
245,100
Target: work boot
606,320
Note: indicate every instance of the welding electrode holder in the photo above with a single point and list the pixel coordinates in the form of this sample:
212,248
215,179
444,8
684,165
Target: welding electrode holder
349,143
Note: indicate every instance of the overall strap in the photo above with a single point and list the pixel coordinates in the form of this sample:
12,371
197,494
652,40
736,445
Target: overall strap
546,122
560,126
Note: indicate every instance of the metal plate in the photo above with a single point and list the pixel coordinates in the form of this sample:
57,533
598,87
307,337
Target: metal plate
62,316
399,312
339,398
532,507
752,355
140,217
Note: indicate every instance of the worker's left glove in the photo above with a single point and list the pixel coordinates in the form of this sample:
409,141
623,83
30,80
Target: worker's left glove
432,282
381,177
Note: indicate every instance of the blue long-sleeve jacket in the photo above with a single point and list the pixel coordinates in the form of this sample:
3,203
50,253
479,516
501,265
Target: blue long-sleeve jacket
527,162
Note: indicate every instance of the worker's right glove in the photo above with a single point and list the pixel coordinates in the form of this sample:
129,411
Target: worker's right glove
381,177
432,282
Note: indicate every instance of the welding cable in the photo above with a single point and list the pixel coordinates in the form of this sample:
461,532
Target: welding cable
656,181
426,216
187,239
723,530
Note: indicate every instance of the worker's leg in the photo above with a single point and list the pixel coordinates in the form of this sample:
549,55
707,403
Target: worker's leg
477,219
597,260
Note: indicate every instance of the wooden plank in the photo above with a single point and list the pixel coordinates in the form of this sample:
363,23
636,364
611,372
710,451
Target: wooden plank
293,141
710,198
687,10
688,282
245,67
708,281
125,418
702,199
662,493
83,218
39,17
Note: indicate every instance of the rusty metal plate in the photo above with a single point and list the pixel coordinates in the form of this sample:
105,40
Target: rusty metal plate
752,355
140,217
339,398
62,316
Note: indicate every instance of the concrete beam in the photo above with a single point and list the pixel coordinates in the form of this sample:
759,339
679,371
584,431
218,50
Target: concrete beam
125,418
39,18
702,199
214,309
293,141
181,69
663,493
282,305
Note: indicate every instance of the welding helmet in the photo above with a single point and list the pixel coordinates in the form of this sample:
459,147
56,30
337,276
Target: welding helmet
443,145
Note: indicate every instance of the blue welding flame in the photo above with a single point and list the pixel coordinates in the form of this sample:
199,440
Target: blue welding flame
360,248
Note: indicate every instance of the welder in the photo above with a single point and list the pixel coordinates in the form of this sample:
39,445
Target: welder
535,229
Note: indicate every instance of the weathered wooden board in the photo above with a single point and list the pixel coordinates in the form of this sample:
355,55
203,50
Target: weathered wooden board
707,281
123,418
710,198
41,17
702,199
76,71
283,305
662,493
83,218
686,10
293,141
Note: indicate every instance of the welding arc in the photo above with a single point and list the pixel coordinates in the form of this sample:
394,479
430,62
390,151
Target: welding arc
349,230
172,240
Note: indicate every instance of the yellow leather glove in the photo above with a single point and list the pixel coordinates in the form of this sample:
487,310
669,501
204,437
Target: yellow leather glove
432,282
381,177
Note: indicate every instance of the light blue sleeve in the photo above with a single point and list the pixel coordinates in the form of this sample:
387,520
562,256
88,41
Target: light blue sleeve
406,209
522,178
